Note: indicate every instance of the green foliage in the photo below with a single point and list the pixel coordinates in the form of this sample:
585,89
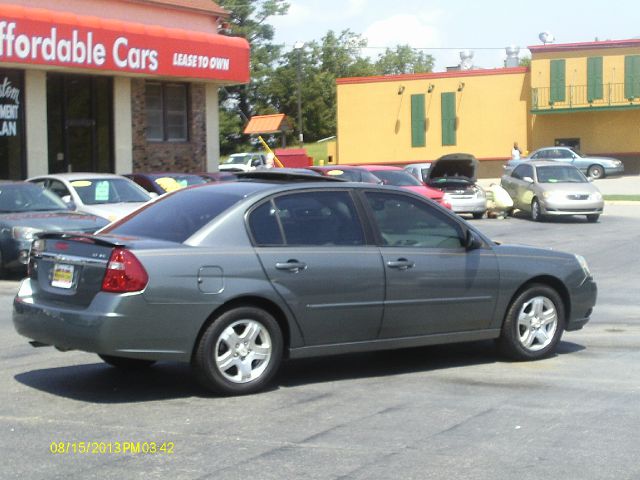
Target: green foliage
525,62
403,59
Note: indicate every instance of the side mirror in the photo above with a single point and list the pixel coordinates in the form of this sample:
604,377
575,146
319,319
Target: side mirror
472,241
527,179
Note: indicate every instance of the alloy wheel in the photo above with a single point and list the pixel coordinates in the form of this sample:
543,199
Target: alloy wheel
537,323
243,351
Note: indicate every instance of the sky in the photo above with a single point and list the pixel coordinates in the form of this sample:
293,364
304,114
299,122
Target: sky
445,28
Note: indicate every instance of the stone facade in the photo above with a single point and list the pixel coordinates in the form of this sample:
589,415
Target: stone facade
169,156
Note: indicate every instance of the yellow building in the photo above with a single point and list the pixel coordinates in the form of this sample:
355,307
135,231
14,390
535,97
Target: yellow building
585,95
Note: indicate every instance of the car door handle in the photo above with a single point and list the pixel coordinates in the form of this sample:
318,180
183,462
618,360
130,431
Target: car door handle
401,264
291,265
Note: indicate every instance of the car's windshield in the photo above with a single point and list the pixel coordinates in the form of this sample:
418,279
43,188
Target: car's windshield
95,191
178,216
399,178
560,174
172,182
236,159
28,198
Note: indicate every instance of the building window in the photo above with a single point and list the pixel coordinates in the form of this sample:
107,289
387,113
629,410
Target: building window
632,76
558,84
167,112
418,137
448,107
594,79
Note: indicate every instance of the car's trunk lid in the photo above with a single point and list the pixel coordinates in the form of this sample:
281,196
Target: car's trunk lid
453,168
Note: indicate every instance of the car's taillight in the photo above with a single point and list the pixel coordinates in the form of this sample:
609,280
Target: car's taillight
124,273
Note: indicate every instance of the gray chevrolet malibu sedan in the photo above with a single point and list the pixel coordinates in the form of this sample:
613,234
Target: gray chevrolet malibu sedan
235,277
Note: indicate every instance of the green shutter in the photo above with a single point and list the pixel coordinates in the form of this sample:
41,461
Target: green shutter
632,76
594,78
448,107
417,121
557,81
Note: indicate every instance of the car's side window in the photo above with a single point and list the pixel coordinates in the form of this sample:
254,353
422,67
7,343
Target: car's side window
518,172
264,225
58,188
408,222
308,218
522,171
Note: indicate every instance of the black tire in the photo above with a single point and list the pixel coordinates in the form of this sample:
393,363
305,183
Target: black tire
239,352
126,363
529,330
595,171
536,214
593,218
478,215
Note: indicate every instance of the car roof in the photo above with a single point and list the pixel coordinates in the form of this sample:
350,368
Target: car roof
337,167
418,165
380,167
542,163
78,176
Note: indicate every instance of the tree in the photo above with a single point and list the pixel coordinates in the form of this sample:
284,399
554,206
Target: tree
403,59
249,19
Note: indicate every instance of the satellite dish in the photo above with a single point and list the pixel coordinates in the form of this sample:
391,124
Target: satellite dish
546,37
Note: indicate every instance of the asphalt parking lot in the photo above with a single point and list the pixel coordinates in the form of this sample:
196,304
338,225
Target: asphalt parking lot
439,412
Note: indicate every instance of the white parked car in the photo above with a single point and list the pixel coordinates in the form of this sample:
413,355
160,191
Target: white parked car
105,195
244,162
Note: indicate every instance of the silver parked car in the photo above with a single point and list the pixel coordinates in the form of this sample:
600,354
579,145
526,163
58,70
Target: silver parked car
594,167
550,188
236,276
106,195
456,175
419,170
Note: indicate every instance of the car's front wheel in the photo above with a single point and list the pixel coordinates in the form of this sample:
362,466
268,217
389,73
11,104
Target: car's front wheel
536,211
593,218
239,352
533,324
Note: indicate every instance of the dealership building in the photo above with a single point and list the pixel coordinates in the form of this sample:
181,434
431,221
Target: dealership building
113,85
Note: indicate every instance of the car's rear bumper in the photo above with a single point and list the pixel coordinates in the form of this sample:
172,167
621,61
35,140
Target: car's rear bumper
122,325
467,205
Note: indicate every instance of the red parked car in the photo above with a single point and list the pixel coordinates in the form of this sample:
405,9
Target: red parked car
400,178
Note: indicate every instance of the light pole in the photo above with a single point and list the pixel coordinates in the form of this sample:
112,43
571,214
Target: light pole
298,47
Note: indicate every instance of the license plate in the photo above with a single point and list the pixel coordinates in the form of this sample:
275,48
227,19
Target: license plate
62,276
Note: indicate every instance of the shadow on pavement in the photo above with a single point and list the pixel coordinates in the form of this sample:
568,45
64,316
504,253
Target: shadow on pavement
100,383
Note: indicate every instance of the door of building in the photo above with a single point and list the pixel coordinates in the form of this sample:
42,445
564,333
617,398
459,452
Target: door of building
79,111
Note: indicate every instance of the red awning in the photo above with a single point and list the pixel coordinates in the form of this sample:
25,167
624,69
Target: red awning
36,36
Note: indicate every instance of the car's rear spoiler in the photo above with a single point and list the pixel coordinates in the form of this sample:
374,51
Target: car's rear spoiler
83,237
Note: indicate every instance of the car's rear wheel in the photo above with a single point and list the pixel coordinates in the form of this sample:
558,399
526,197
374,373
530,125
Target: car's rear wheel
595,171
239,352
536,211
533,324
126,363
593,218
478,215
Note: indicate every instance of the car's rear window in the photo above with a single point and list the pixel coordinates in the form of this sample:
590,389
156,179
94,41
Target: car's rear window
177,217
